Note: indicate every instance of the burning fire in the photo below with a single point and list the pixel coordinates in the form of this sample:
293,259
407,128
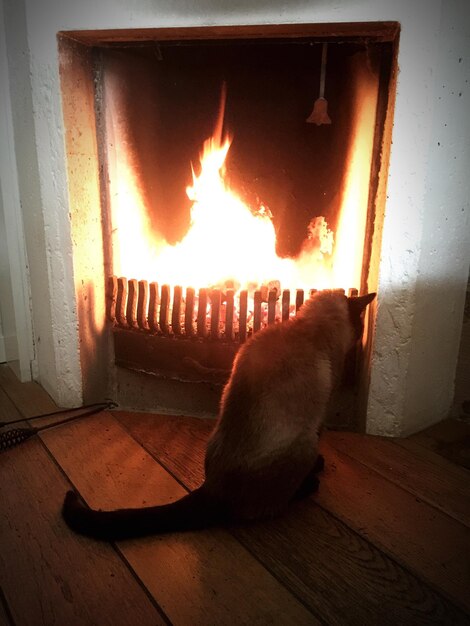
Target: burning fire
227,242
231,244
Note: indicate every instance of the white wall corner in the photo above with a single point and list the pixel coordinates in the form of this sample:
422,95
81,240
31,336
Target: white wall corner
36,122
426,244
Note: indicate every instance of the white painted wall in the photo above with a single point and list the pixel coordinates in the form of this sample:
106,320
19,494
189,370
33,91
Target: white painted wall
16,334
8,344
426,240
425,256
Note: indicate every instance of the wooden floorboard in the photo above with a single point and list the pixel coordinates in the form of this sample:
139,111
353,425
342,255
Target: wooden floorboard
345,577
49,575
313,553
428,541
449,438
384,541
190,575
8,411
5,614
29,398
420,471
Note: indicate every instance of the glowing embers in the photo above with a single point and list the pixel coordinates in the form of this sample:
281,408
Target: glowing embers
207,314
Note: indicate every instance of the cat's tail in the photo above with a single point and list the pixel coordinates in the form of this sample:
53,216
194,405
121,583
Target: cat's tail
192,512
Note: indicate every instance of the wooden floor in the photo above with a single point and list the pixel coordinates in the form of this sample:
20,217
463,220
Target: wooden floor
384,541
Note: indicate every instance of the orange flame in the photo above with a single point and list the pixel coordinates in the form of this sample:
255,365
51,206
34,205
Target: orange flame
230,244
350,233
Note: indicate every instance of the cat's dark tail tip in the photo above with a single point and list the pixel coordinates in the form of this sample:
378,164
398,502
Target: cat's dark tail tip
71,501
73,511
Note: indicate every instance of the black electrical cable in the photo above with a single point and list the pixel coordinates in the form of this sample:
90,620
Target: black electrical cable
15,436
105,405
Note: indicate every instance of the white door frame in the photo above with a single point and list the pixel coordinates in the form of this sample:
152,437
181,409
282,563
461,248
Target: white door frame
19,349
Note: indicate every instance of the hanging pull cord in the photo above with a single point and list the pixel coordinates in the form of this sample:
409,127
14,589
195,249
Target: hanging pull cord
319,114
324,52
15,436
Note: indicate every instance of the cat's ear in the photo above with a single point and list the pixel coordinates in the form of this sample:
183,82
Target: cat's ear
358,304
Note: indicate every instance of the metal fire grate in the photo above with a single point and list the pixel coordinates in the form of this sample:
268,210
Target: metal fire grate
149,325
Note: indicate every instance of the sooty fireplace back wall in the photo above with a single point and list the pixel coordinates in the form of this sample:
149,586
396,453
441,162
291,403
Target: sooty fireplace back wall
168,97
164,94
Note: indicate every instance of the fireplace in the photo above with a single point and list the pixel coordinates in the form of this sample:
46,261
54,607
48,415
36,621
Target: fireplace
203,254
410,364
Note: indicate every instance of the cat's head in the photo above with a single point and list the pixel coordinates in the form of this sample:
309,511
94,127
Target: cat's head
356,306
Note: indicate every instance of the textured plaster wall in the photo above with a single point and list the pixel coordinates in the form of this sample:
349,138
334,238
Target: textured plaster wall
426,238
36,220
416,348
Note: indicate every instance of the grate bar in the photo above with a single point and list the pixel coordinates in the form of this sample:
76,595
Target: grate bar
229,306
142,305
215,313
164,310
211,314
131,309
154,302
176,311
202,314
121,301
189,312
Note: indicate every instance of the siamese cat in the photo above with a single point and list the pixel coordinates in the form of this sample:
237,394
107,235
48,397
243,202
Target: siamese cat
263,452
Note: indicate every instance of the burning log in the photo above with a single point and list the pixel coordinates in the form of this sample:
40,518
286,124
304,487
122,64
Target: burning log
264,290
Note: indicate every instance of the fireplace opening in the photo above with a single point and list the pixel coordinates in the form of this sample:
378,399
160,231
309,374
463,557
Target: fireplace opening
223,206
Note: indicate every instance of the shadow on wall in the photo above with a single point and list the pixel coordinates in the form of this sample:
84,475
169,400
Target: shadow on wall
94,346
461,406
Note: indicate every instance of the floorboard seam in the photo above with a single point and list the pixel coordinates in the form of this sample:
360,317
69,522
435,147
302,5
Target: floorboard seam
13,401
6,608
114,545
143,446
392,557
281,582
382,550
185,487
431,451
397,484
